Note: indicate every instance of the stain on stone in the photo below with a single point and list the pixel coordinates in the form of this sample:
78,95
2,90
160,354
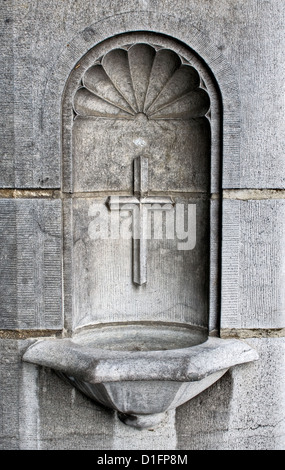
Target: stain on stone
43,180
88,33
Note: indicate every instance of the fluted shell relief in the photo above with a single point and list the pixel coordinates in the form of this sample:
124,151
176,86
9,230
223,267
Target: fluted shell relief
141,80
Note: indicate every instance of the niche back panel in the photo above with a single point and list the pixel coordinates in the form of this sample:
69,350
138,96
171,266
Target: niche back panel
137,100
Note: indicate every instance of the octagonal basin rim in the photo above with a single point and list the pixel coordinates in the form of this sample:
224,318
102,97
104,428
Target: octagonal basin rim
87,358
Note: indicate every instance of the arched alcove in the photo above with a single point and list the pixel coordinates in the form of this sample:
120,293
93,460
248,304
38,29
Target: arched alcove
145,98
141,148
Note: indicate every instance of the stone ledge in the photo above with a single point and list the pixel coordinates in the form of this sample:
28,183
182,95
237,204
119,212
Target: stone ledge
256,194
29,193
25,334
243,333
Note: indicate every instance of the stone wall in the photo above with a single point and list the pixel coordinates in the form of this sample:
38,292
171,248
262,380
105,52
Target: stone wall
242,43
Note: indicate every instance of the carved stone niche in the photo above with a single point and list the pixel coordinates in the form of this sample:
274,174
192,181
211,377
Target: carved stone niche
141,117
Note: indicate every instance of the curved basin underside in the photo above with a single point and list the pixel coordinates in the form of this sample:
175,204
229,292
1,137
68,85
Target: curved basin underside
140,370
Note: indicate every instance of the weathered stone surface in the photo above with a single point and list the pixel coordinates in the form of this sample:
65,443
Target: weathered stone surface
19,427
241,411
9,397
7,136
37,42
259,41
139,352
26,163
31,418
102,289
244,410
72,421
142,371
160,437
104,150
41,43
214,306
140,101
30,232
253,266
258,422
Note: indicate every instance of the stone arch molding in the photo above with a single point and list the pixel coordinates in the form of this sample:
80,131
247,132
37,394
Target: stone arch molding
205,56
141,75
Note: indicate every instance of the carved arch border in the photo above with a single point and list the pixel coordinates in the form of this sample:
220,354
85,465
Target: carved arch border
225,121
153,22
154,39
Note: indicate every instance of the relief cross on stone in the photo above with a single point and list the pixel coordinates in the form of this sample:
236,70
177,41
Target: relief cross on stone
140,204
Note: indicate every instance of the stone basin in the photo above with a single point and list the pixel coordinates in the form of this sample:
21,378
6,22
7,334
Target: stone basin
142,370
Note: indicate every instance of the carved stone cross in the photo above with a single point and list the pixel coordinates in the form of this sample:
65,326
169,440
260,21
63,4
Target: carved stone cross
140,203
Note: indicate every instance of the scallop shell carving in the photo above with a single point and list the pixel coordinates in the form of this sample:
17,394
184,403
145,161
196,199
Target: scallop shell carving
141,79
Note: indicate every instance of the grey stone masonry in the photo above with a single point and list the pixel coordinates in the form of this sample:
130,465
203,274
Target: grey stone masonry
30,293
242,411
253,266
43,42
32,419
64,148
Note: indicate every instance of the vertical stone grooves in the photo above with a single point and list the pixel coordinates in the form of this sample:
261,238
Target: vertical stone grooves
230,263
8,263
28,274
30,232
68,278
7,97
52,285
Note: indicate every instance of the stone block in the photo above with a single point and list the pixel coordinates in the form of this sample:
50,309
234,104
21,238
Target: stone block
255,52
35,74
257,410
253,269
27,162
7,135
40,412
30,232
68,420
9,397
244,410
